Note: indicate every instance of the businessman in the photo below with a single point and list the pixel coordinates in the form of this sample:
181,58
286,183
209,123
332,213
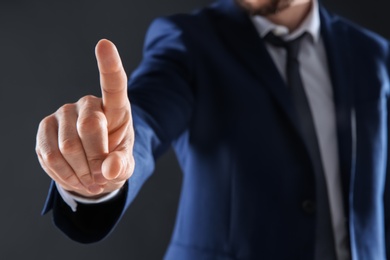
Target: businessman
277,111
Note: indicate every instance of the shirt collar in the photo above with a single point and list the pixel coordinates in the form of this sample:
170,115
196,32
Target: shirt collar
311,25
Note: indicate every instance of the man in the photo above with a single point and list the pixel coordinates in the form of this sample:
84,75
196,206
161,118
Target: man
277,111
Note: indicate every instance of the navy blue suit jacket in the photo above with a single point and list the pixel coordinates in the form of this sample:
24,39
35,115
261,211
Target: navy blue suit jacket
208,87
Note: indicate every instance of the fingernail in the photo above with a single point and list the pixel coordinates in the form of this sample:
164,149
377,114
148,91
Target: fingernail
95,189
99,179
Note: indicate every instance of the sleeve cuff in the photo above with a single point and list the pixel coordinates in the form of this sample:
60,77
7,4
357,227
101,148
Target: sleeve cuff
71,200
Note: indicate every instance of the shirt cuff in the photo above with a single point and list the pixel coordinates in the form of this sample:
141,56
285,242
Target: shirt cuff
71,200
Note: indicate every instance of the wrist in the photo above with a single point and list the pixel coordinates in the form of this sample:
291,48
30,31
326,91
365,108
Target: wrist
88,197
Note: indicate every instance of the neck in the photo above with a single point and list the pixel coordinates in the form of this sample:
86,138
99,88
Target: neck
292,16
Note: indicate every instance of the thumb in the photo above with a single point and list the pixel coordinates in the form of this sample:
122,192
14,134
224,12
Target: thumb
117,166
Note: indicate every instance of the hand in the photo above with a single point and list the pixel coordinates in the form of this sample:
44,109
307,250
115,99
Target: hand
86,147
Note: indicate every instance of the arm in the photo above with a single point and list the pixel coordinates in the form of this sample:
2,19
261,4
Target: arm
161,105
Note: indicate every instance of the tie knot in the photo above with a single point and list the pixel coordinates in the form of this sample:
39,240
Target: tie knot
291,46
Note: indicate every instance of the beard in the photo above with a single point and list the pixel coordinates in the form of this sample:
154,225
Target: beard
273,7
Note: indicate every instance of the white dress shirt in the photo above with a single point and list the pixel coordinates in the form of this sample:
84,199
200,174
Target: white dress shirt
316,79
71,199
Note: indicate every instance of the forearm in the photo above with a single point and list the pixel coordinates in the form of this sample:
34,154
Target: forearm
91,222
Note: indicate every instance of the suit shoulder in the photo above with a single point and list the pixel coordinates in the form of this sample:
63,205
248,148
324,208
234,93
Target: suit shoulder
189,29
197,21
359,34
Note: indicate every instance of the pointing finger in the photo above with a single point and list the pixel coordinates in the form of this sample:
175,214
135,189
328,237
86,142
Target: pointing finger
113,79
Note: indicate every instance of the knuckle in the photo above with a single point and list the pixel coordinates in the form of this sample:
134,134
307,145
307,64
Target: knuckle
69,146
50,157
91,123
46,123
65,109
88,99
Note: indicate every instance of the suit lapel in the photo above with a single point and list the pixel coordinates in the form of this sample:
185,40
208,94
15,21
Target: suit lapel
336,45
240,34
244,41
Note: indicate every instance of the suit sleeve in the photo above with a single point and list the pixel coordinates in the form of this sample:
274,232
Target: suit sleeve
161,99
387,183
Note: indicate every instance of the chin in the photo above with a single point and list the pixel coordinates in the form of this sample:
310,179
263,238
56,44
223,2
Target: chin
264,7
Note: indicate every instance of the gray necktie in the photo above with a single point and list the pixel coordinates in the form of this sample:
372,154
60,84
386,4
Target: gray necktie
325,246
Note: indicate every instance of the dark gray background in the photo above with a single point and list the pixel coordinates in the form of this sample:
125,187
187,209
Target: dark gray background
46,60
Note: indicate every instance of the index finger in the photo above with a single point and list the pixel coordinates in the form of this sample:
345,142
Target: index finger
113,79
